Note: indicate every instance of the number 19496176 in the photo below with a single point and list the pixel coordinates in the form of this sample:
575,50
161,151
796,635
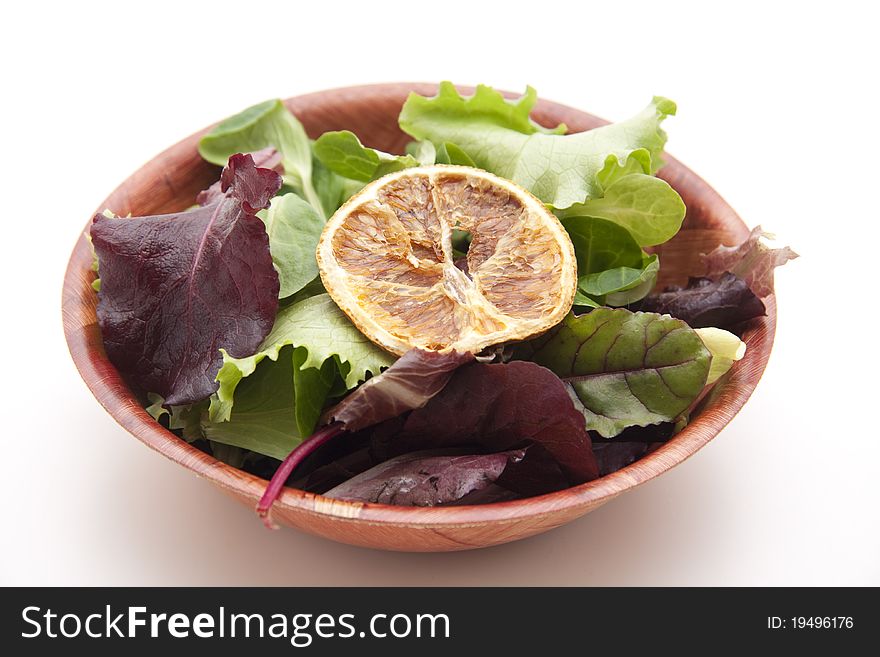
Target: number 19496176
810,622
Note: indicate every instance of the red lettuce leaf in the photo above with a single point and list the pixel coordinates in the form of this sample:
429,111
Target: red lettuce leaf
630,445
425,479
612,455
488,495
724,303
485,408
266,158
751,261
409,383
329,467
176,288
500,407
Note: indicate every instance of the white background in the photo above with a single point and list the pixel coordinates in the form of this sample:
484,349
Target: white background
777,109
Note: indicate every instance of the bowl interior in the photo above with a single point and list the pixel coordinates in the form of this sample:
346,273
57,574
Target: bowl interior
170,182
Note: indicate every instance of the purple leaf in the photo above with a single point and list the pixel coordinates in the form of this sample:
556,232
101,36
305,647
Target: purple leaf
489,495
500,407
177,288
267,158
723,303
630,445
612,455
409,383
751,261
418,479
334,469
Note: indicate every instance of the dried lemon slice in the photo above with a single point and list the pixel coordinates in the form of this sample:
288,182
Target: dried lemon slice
386,258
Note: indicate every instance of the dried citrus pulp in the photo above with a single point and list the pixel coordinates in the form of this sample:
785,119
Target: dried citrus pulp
386,258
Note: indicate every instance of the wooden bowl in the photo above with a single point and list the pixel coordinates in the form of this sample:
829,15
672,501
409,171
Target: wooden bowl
170,182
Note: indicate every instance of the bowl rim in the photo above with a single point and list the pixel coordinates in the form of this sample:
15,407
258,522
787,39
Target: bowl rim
84,343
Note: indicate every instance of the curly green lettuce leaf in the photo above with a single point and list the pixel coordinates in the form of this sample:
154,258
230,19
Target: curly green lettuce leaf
319,331
186,418
645,206
726,349
561,170
485,107
344,154
627,369
264,419
269,123
156,407
294,228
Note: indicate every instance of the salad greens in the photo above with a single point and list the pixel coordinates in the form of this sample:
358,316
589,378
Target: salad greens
293,227
217,314
726,302
725,349
267,124
559,169
162,326
343,153
612,268
325,342
647,207
753,261
498,407
426,479
627,369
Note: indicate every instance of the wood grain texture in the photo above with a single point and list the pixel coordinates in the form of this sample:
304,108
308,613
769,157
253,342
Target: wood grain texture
170,182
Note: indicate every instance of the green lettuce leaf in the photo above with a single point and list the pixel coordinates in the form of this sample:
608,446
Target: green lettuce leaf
561,170
612,268
485,107
630,285
156,407
186,418
332,189
726,349
446,153
313,288
627,369
294,228
264,417
423,151
320,331
600,245
583,301
276,407
269,123
344,154
646,206
449,153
